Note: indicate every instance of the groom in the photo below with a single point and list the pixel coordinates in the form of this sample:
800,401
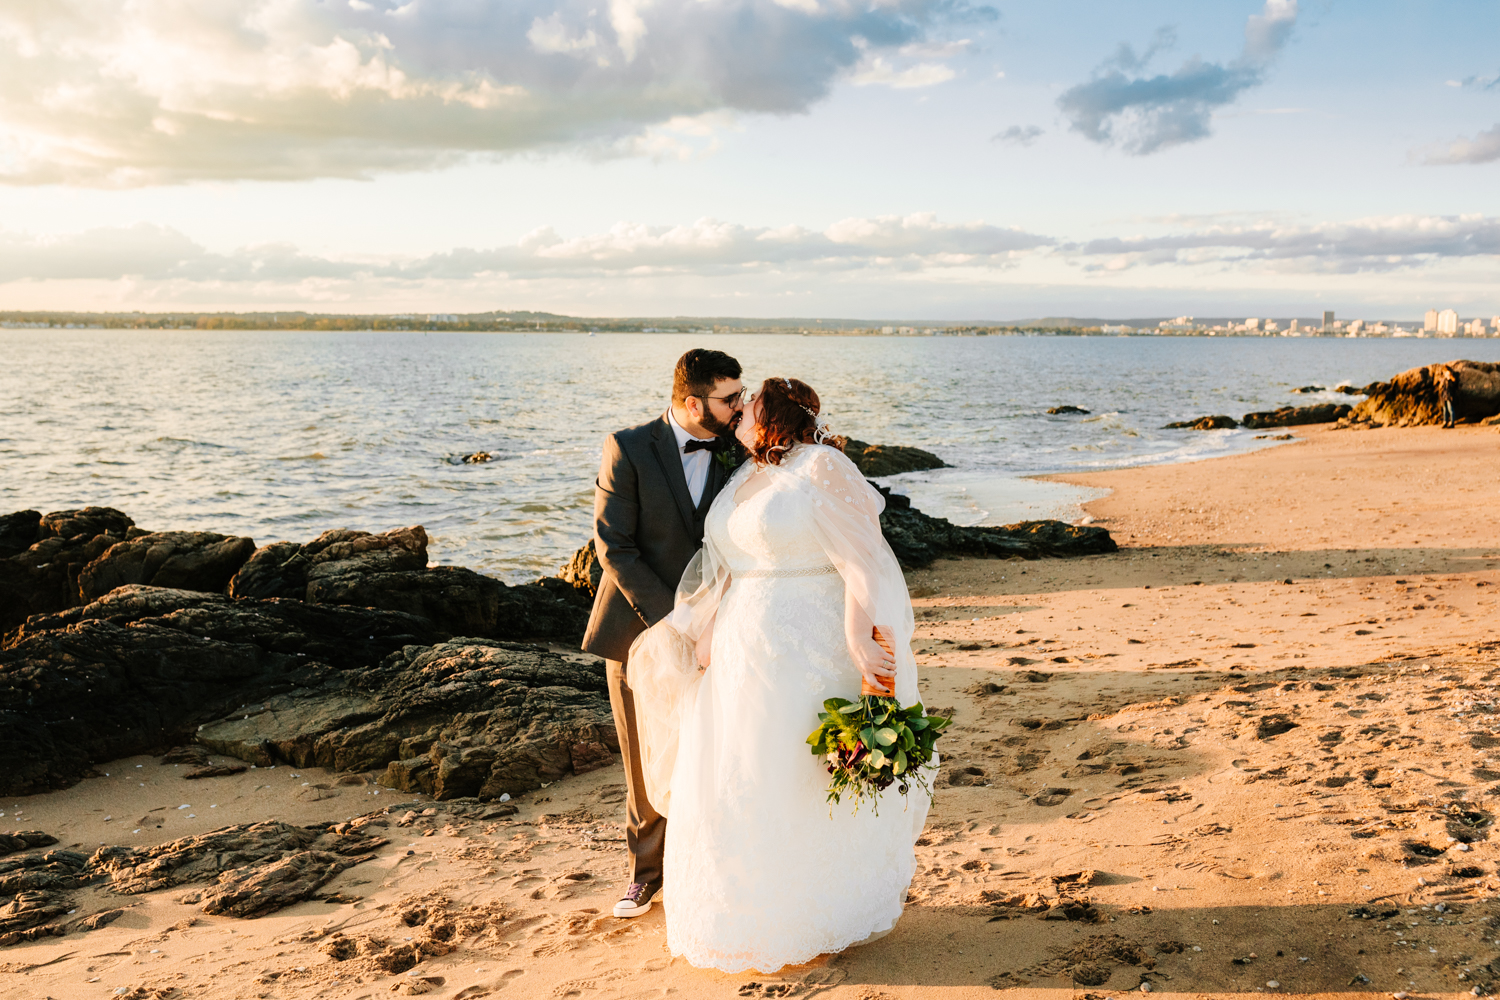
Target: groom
655,485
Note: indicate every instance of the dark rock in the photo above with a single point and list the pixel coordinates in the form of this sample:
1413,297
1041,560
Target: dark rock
215,771
28,915
584,571
563,590
143,667
888,460
1295,416
44,578
265,888
1214,423
458,600
19,532
24,840
182,560
1411,398
94,921
259,867
194,756
477,458
1067,409
1306,389
284,569
34,893
275,570
893,501
464,718
389,571
334,553
1350,390
918,539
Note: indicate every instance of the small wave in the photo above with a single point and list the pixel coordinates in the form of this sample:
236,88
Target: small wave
181,444
316,456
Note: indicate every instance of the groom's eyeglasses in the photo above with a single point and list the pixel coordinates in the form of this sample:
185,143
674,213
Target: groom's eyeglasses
733,400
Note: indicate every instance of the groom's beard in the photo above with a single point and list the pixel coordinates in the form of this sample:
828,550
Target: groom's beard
717,427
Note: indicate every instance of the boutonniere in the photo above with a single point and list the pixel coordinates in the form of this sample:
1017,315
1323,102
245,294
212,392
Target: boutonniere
730,457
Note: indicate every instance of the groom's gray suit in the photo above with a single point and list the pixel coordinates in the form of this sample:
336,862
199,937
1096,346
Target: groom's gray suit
646,531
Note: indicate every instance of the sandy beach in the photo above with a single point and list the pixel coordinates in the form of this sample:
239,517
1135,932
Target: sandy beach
1250,752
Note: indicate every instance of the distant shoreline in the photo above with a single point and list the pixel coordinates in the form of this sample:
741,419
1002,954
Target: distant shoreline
932,331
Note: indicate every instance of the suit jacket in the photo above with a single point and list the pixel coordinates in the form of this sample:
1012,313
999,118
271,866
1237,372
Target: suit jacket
646,531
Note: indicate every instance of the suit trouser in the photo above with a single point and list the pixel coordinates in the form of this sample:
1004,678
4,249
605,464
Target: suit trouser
645,828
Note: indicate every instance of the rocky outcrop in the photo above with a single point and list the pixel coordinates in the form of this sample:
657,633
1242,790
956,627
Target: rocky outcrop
35,894
1065,409
352,688
255,869
183,560
918,539
1214,423
143,667
459,601
19,532
584,571
1411,398
1296,416
890,460
24,840
285,569
389,571
462,718
1286,416
43,577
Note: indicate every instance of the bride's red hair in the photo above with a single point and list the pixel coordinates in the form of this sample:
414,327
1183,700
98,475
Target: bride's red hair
788,416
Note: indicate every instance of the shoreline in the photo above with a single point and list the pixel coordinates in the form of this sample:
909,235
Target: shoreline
1167,766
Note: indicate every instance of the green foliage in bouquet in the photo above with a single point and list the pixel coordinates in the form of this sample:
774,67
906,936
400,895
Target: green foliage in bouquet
872,744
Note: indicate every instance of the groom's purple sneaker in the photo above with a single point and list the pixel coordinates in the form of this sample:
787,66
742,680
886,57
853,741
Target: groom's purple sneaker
637,899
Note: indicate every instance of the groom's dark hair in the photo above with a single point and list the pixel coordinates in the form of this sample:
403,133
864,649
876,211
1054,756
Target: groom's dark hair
698,370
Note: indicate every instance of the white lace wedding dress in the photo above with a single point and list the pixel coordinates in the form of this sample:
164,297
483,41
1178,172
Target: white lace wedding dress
760,871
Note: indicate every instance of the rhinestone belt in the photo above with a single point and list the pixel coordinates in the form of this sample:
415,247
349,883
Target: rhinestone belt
823,570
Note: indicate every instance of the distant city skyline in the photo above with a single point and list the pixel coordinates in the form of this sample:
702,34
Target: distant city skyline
900,159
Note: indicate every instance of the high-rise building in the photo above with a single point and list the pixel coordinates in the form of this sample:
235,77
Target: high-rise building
1447,322
1327,319
1252,324
1429,322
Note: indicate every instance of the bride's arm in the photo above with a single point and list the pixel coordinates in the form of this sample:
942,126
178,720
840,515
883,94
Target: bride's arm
876,663
706,643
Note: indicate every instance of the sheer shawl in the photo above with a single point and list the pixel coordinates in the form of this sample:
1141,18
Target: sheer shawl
662,669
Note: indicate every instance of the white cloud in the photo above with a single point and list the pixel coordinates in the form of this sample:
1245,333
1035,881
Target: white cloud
551,35
1378,244
1019,135
705,247
876,69
131,92
1146,114
1483,148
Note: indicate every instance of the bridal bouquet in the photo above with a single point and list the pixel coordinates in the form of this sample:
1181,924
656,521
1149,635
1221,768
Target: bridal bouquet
874,743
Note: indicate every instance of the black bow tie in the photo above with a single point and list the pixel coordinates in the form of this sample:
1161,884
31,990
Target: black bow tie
715,445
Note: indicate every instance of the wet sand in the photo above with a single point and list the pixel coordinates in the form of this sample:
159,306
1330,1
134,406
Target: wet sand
1255,746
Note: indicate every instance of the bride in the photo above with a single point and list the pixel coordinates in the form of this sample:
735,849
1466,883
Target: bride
773,617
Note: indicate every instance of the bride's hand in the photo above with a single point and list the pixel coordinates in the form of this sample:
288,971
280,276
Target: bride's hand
876,663
705,645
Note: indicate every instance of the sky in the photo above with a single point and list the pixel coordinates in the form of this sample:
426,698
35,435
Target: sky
881,159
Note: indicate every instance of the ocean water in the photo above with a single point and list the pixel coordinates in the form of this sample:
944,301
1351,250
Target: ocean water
284,435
